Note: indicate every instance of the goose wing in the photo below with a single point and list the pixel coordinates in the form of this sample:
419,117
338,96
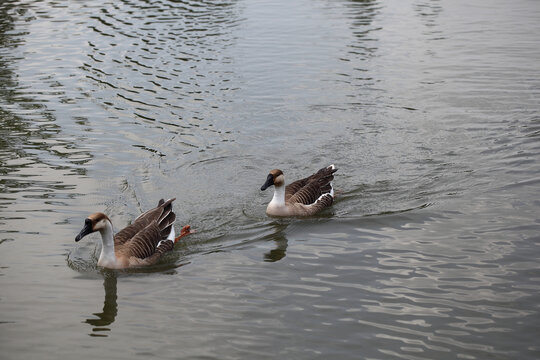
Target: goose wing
147,245
308,194
322,202
143,244
306,191
162,248
157,214
293,188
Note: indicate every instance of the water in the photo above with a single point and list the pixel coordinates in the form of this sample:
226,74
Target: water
430,110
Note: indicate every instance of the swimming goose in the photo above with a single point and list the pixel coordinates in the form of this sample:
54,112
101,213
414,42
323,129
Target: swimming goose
141,243
303,197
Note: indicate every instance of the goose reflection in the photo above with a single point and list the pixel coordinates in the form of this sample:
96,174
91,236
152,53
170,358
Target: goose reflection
110,307
281,244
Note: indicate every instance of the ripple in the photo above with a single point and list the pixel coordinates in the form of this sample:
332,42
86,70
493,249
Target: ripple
430,109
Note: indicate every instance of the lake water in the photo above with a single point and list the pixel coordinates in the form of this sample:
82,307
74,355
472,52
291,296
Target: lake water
430,110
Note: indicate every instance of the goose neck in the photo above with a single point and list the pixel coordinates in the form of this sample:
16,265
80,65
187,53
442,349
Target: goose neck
279,195
107,257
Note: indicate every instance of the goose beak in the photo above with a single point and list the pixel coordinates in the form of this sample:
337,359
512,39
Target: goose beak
269,182
87,229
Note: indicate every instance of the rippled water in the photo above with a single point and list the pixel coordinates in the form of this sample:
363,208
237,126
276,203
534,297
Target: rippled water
430,110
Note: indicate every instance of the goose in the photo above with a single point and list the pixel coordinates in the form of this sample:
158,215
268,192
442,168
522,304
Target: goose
303,197
142,243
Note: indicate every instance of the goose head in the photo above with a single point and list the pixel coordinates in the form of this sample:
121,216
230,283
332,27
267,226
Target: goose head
95,222
275,177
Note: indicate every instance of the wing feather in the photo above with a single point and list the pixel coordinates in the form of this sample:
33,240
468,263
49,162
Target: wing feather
307,195
306,191
162,248
323,202
143,244
157,214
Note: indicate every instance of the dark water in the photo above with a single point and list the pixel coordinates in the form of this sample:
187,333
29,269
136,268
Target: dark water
430,110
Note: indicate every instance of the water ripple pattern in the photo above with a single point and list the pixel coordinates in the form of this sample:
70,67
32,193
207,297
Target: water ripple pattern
430,110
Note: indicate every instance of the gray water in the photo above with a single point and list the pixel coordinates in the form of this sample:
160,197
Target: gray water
430,110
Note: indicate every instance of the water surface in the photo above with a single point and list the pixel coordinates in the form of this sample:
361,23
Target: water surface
430,110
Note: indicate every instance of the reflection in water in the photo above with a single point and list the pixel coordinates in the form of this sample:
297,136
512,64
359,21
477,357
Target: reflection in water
355,76
37,157
280,240
428,11
363,14
162,56
110,307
